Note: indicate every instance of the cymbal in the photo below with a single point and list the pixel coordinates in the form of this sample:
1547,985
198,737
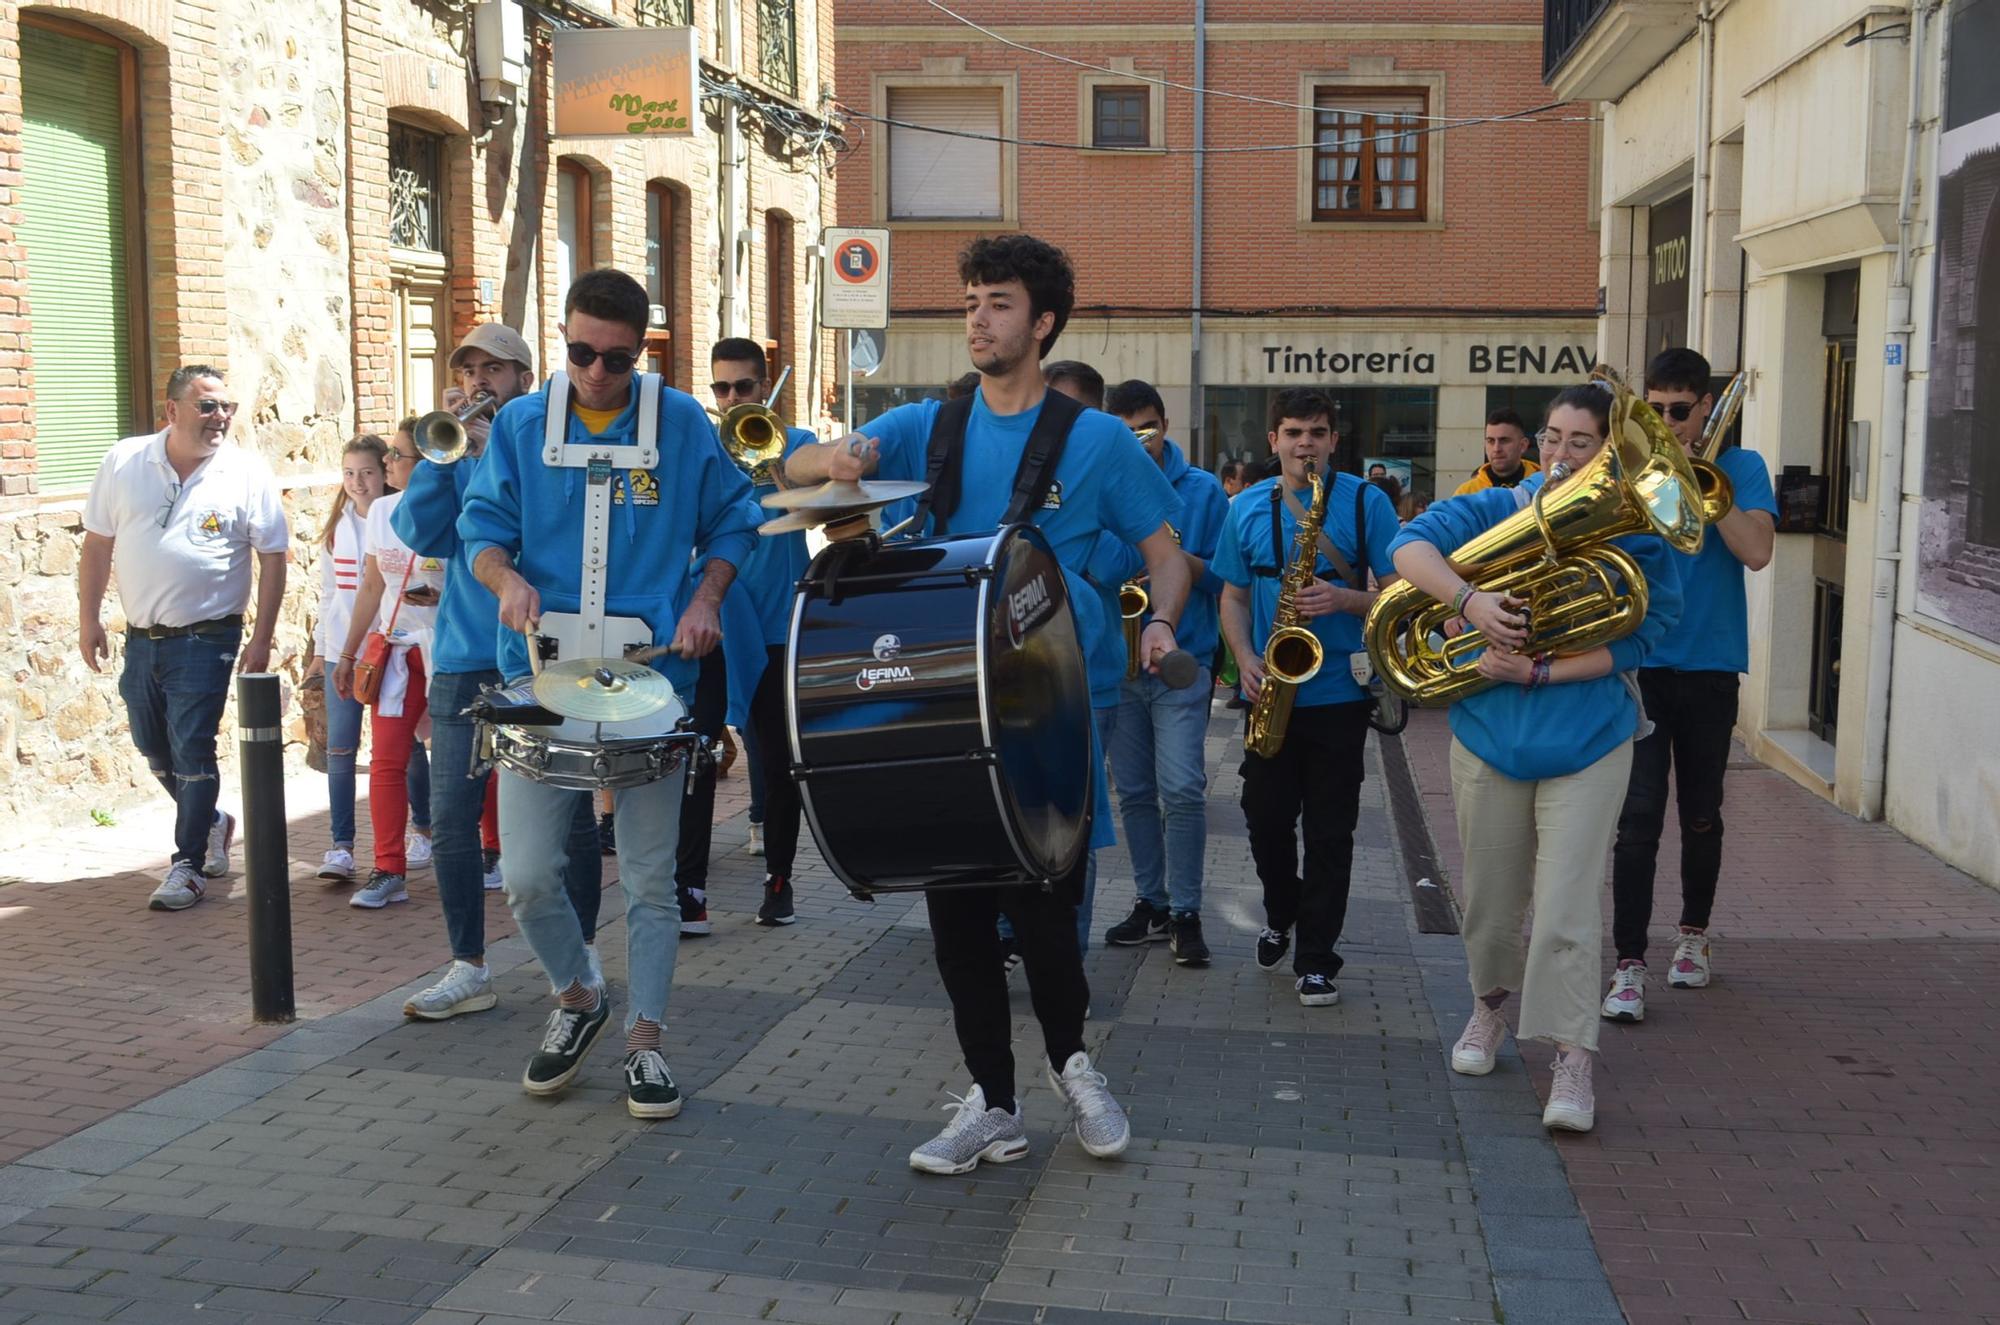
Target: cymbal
867,495
602,690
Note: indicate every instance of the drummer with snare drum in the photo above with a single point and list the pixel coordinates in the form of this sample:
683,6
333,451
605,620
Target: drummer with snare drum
593,494
1018,294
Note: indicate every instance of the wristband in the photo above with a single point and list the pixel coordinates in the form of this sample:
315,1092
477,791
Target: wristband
1162,621
1539,677
1458,600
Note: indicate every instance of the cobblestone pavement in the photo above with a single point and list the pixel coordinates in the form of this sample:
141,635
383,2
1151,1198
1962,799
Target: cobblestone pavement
1289,1164
1813,1137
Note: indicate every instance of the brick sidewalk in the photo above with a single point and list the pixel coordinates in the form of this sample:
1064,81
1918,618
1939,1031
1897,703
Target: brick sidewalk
1814,1136
1290,1165
104,1003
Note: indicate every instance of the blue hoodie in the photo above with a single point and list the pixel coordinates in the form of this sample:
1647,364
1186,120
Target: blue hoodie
696,501
467,632
1554,730
757,612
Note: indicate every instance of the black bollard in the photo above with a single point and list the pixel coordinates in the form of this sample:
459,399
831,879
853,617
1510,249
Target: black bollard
260,746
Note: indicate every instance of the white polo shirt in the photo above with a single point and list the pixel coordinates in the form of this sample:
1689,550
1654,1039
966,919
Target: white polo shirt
181,549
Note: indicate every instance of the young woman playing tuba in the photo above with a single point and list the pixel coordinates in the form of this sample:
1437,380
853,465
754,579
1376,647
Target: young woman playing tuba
1539,764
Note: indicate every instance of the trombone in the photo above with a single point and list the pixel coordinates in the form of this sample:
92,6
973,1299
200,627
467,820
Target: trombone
1718,494
754,435
440,435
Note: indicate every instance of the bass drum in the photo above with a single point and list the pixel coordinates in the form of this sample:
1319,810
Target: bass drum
940,713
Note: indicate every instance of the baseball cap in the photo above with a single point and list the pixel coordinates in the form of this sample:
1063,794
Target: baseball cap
500,341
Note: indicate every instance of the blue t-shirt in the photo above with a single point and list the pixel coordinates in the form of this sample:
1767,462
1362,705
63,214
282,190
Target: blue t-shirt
1714,634
1553,730
1244,558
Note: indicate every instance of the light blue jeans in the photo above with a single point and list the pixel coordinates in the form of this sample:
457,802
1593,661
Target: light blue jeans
534,830
1158,768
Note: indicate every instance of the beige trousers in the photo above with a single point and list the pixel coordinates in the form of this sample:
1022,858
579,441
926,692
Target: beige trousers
1542,843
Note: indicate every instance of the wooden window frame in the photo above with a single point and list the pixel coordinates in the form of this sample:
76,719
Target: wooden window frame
1342,85
780,306
1132,92
138,345
659,343
570,169
1120,75
1371,150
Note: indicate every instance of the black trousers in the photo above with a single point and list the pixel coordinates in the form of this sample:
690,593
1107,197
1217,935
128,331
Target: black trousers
1315,776
964,930
774,748
711,709
1693,714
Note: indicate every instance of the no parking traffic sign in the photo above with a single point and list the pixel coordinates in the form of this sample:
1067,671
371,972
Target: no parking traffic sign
855,291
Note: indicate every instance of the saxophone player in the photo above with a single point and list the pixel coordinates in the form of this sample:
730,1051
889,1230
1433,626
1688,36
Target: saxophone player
1317,770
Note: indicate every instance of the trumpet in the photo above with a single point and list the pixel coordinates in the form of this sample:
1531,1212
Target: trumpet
1133,600
440,435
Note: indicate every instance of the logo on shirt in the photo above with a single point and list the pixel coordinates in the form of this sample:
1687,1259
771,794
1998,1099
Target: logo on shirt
1053,502
645,489
887,648
871,677
209,530
1027,607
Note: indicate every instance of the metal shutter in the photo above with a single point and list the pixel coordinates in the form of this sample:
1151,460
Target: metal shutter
938,177
73,230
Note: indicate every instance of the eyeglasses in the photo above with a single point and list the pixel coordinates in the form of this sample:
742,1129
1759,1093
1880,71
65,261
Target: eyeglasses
173,495
1678,411
742,386
210,406
399,457
616,362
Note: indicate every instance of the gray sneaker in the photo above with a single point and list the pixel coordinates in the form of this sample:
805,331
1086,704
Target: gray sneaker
974,1133
1101,1124
181,889
221,837
464,988
382,888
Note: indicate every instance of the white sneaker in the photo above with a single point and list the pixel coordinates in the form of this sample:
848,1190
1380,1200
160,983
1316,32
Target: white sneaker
596,966
337,866
975,1132
1627,999
490,862
181,889
755,846
381,889
1479,1046
221,837
1572,1104
464,988
1101,1124
1690,967
417,851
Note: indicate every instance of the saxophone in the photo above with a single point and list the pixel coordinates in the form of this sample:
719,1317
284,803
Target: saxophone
1292,654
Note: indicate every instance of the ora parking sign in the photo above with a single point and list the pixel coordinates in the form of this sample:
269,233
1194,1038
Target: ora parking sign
855,290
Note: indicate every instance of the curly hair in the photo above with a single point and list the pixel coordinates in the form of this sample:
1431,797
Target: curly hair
1041,268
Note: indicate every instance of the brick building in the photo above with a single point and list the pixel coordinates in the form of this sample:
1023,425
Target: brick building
322,196
1422,272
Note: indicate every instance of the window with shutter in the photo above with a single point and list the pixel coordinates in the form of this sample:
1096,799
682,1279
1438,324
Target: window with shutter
945,176
76,210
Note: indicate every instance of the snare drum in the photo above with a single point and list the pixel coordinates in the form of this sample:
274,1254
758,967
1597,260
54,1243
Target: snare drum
940,713
585,756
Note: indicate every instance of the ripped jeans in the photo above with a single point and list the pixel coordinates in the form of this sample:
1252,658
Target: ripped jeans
175,690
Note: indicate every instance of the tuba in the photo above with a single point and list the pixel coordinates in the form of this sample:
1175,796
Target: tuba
440,435
1718,494
1557,554
1292,653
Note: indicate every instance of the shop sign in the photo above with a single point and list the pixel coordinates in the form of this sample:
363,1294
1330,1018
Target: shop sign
625,82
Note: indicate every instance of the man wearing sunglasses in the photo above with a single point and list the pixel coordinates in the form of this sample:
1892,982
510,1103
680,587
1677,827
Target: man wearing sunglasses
178,514
1689,683
593,495
746,687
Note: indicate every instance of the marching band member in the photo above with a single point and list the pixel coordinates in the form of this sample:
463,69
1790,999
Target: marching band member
543,479
491,360
1689,684
1315,778
1018,294
1539,765
1157,762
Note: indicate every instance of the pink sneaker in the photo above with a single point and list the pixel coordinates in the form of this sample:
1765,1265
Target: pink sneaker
1690,968
1477,1048
1627,999
1572,1104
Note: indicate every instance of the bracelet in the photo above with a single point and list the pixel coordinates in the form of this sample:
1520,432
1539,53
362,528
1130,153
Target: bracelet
1539,676
1458,600
1162,621
346,657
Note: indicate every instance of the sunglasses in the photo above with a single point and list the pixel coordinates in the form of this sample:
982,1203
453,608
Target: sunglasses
212,406
615,361
1678,411
742,386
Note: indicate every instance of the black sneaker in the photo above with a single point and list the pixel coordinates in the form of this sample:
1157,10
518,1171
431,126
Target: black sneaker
1010,955
1316,991
1272,945
1146,924
650,1091
777,907
694,915
607,837
1184,937
569,1036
